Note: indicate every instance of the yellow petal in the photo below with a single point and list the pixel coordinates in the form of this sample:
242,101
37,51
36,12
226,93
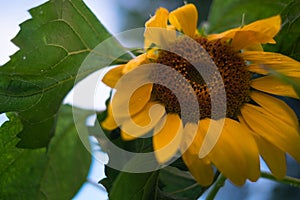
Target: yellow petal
276,108
157,31
200,170
226,154
276,131
274,157
244,39
275,61
142,122
152,53
254,47
257,68
137,61
269,26
229,34
122,105
109,122
161,37
160,19
258,32
166,141
112,76
236,153
185,19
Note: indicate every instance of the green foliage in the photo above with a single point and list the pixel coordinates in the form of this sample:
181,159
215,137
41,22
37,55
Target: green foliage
139,186
53,44
288,39
54,173
225,14
178,184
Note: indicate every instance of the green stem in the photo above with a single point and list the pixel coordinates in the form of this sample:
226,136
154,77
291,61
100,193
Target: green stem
216,187
286,180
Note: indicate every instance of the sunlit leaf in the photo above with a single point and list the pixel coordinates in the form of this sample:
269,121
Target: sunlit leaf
53,45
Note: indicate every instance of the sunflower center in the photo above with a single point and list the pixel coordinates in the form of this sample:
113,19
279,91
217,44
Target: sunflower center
231,67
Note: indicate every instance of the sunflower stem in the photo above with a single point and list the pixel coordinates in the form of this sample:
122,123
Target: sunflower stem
295,182
216,187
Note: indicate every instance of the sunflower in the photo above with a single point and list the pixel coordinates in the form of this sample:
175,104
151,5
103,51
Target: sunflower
256,123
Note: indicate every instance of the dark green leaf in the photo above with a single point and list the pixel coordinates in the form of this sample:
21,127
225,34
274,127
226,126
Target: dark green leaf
177,184
135,186
225,14
53,45
56,173
111,175
288,39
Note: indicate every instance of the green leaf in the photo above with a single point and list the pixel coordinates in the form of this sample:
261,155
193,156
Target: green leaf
135,186
111,175
288,39
53,45
177,184
56,173
225,14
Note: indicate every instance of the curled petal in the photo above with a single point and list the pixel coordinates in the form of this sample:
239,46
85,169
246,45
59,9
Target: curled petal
160,19
112,76
134,63
157,29
185,19
109,122
142,122
136,102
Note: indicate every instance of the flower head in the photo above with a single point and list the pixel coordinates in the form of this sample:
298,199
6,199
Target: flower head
256,122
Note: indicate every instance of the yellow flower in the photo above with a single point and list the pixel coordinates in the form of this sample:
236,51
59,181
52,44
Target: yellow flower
256,123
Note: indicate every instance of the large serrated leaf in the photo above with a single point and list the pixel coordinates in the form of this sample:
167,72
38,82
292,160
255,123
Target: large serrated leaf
56,173
53,45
